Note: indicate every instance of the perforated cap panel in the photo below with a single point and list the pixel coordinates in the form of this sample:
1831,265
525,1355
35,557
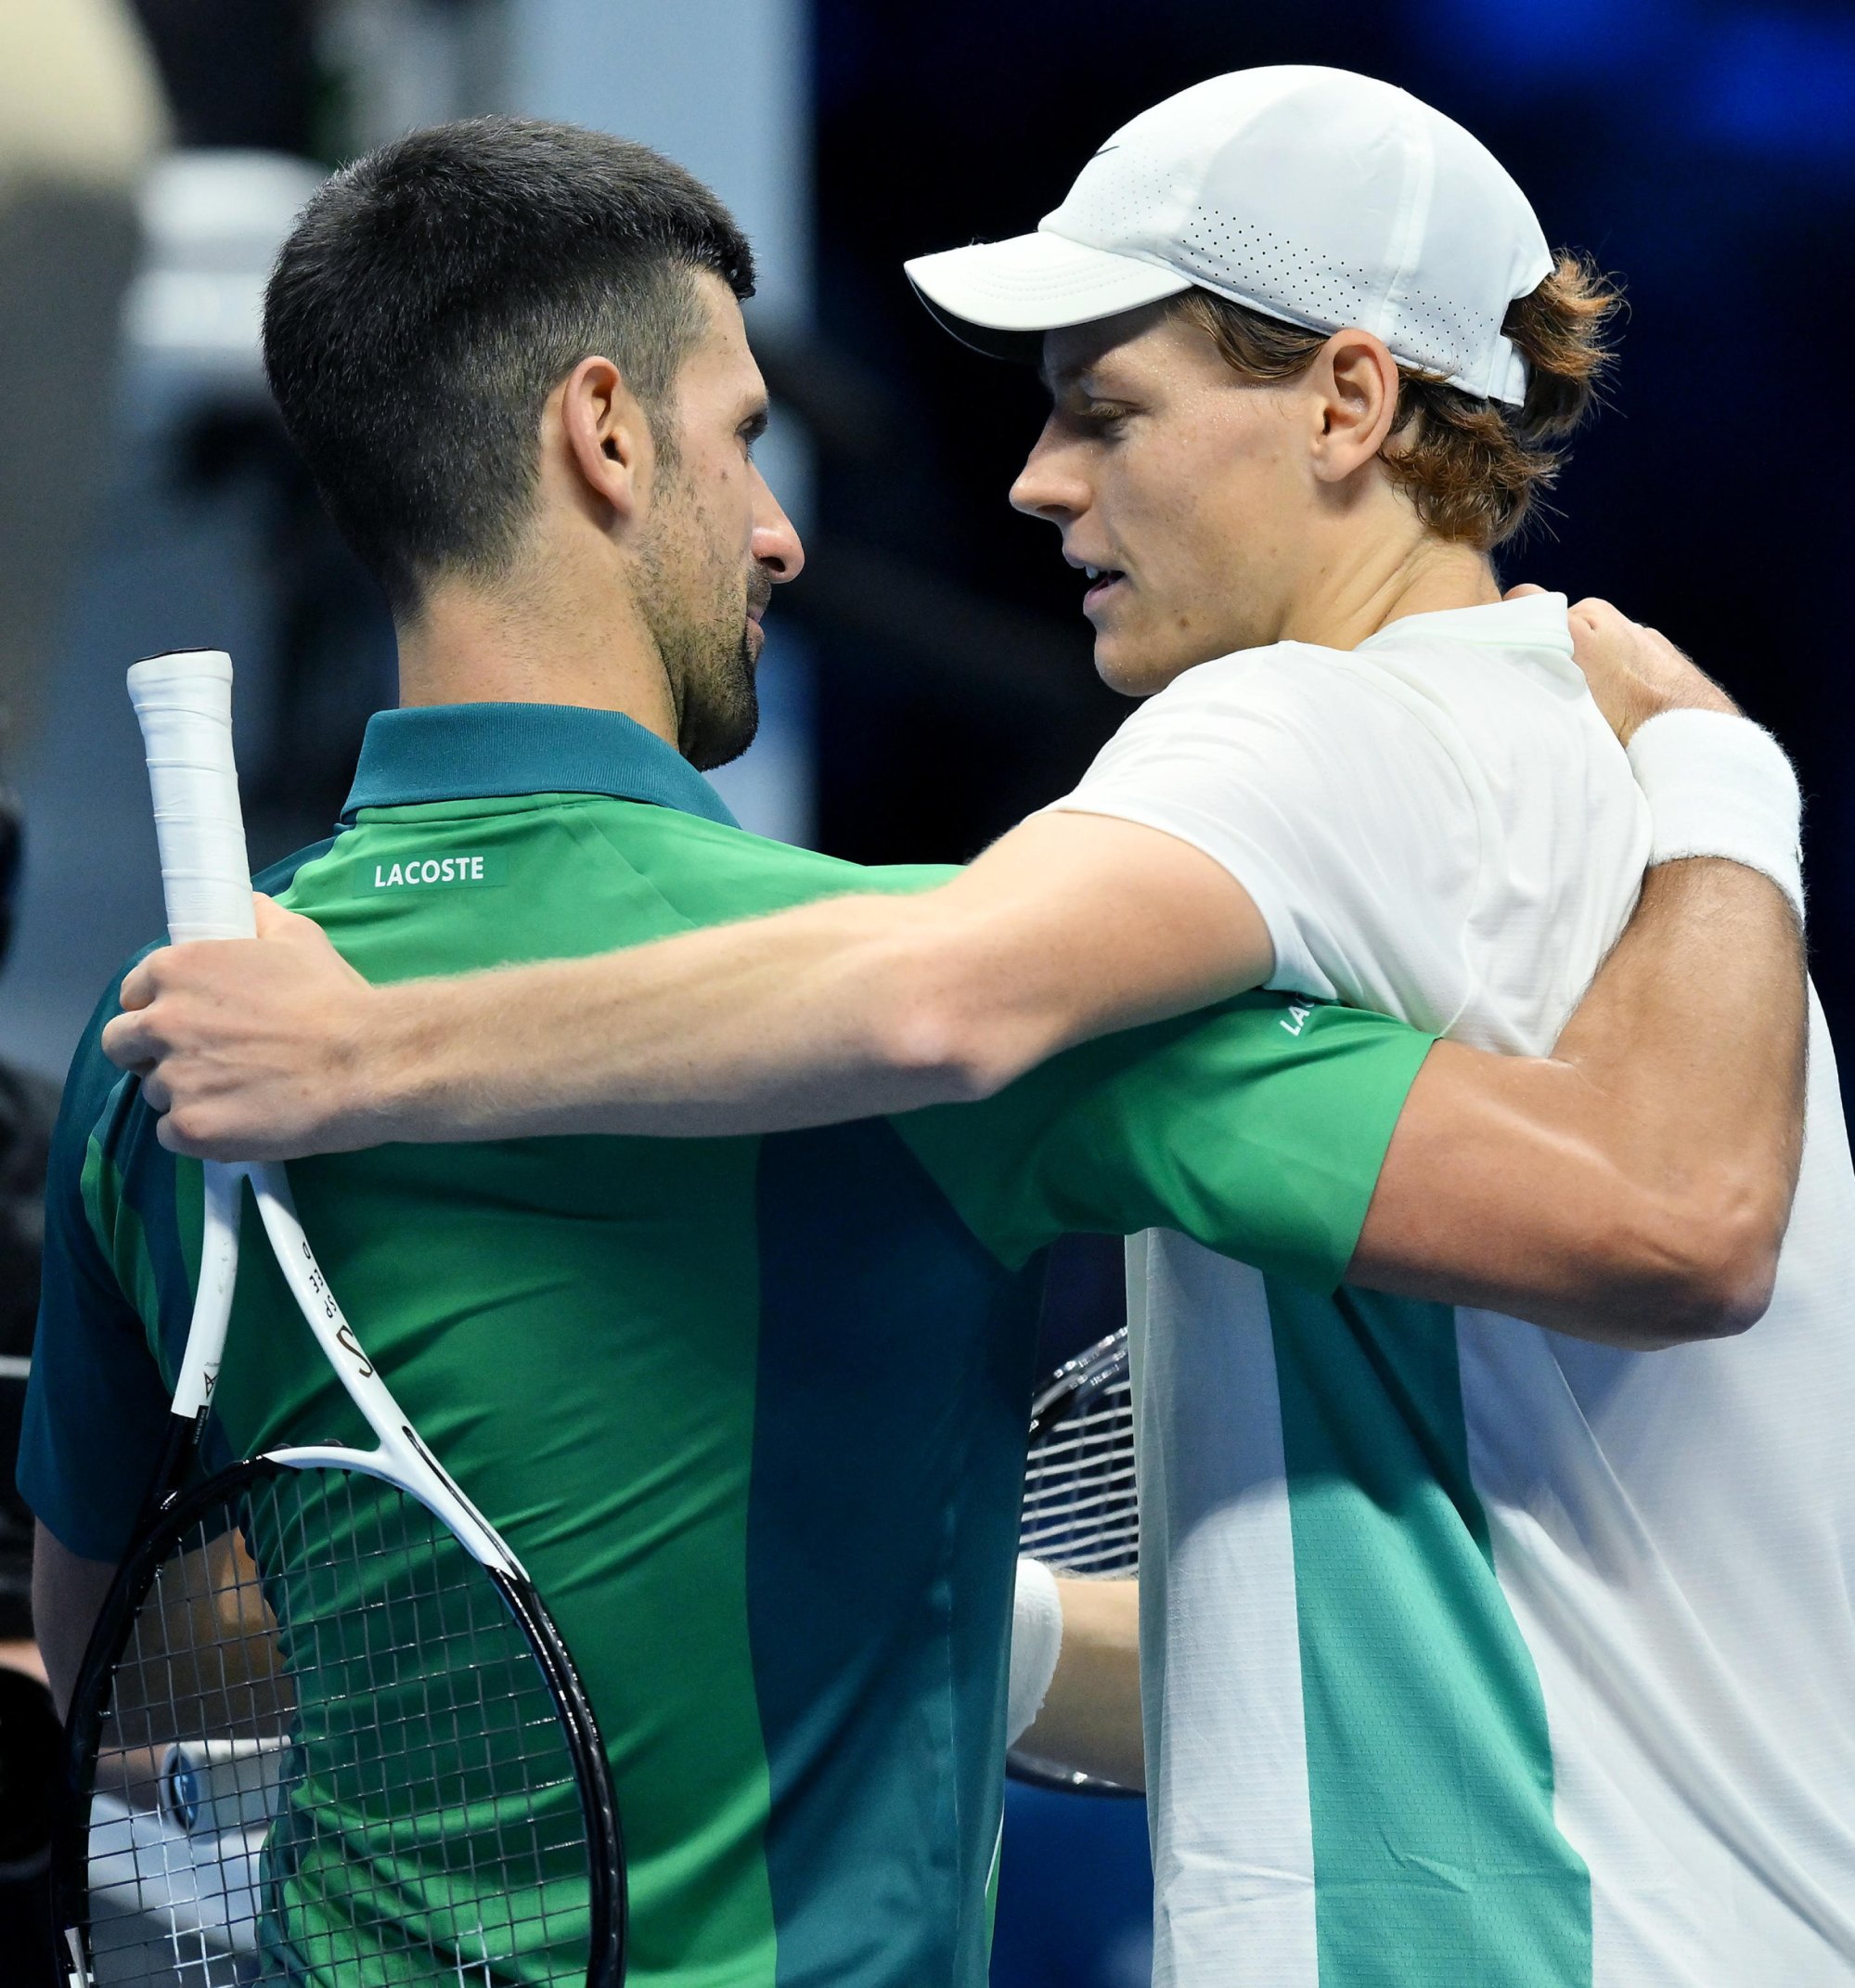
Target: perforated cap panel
1310,194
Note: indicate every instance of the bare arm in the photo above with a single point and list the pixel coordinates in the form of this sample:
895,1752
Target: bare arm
1069,927
1630,1188
68,1595
1634,1187
1090,1720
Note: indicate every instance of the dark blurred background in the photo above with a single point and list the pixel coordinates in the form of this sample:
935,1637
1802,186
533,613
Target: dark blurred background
930,679
1703,152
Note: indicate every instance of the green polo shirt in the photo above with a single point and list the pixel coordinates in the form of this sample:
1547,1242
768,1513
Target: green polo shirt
751,1411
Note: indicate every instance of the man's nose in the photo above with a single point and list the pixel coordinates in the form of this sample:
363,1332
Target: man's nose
1047,485
775,543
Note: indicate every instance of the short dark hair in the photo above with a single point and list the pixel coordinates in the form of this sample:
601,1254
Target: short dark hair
434,294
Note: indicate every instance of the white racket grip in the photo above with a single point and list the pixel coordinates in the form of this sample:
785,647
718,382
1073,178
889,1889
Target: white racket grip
184,702
213,1296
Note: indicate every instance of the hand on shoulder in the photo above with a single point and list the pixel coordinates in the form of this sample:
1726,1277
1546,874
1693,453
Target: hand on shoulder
1635,673
247,1047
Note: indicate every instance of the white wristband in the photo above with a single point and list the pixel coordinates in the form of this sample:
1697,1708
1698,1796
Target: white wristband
1719,785
1036,1642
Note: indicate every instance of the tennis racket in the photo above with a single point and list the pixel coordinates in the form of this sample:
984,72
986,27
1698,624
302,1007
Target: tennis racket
1081,1515
326,1733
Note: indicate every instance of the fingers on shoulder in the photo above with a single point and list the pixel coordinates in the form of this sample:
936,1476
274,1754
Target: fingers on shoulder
1598,616
140,1033
1599,620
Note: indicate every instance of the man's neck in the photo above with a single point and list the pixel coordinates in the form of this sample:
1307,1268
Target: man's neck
517,644
1359,590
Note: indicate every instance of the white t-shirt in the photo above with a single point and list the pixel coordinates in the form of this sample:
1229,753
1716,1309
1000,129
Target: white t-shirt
1474,1656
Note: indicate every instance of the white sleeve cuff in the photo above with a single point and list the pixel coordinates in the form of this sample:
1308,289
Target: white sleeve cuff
1251,866
1718,785
1036,1642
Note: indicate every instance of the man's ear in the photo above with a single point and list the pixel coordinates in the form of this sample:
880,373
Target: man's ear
1354,382
608,437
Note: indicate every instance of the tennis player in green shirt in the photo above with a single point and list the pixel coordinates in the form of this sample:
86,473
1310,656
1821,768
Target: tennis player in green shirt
770,1392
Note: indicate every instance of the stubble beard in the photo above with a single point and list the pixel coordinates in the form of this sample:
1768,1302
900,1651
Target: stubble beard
695,606
719,712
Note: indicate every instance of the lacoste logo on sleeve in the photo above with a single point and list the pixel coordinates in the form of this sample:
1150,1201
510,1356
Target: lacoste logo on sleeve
409,871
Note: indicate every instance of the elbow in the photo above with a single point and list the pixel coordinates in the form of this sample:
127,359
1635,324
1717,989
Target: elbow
1730,1267
943,1034
937,1053
1705,1268
1749,1278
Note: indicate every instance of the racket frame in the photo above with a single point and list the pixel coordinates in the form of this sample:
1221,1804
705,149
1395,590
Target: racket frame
183,702
1089,1372
91,1703
399,1456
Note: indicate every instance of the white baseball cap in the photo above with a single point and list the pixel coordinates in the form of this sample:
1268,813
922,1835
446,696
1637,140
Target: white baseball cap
1310,194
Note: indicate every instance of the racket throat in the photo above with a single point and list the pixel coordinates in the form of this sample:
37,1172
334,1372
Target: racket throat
489,1546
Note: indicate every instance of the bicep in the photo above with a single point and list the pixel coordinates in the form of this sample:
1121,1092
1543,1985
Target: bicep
1337,802
1075,924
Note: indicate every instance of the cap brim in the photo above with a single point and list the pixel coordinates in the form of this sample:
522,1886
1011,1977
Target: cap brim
1000,297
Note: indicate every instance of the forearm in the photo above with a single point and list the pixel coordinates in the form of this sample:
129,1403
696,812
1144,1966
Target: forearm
1068,928
845,1009
1090,1720
1695,1037
1634,1187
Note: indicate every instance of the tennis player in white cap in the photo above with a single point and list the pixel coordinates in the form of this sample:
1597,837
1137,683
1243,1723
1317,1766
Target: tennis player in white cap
1475,1655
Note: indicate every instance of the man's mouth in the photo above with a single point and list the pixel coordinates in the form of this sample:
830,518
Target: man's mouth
759,593
753,635
1103,581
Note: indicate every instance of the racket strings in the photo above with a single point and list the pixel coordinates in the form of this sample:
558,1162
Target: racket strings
1081,1512
331,1759
1081,1506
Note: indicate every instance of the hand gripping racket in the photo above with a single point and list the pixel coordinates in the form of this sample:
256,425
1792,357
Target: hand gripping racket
326,1734
1080,1514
